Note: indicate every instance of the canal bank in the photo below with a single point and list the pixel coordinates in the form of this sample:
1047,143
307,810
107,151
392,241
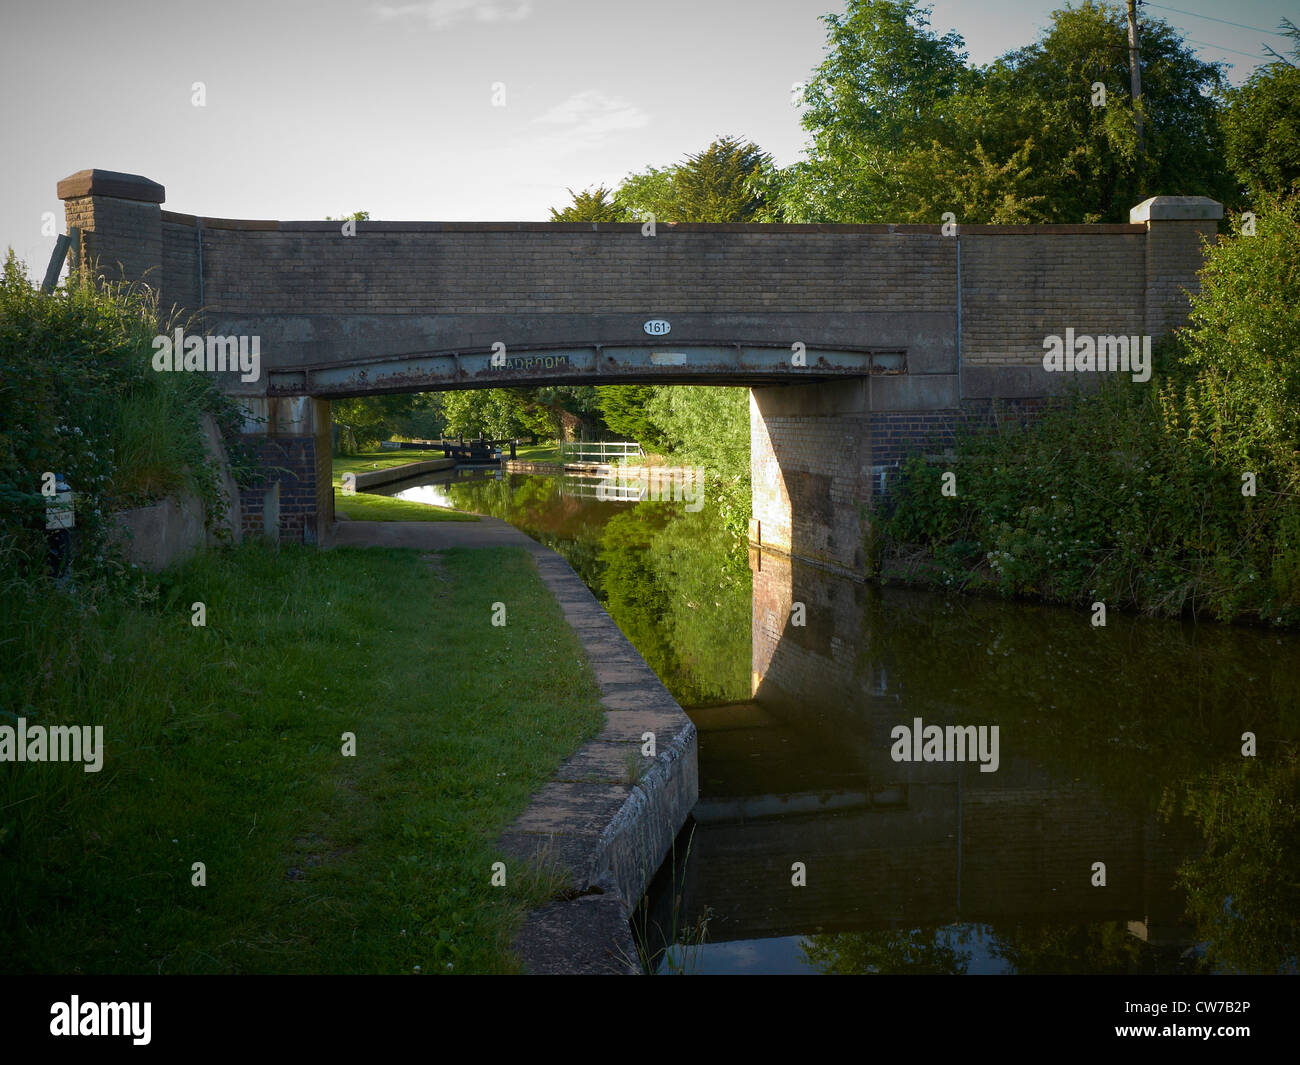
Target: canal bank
608,817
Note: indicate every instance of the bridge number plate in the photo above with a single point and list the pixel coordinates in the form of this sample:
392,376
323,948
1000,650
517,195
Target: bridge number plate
656,327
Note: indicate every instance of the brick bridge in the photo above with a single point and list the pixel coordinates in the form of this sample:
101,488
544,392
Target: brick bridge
858,342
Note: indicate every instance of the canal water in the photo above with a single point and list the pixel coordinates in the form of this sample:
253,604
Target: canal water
1110,824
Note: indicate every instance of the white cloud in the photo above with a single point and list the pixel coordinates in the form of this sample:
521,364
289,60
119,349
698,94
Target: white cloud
443,13
590,114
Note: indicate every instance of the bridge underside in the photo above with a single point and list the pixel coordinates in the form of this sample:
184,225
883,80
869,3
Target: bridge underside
370,354
595,364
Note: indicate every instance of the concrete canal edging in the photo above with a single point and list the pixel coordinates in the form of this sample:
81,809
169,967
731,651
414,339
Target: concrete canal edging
372,478
608,833
608,817
521,466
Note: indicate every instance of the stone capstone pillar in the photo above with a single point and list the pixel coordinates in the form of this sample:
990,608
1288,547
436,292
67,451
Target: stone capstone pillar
1177,227
120,221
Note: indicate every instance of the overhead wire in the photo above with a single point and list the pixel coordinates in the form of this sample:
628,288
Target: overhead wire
1211,18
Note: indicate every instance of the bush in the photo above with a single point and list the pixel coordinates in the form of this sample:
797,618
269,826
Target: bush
79,397
1139,496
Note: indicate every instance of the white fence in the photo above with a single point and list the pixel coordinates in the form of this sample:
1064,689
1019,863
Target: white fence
600,452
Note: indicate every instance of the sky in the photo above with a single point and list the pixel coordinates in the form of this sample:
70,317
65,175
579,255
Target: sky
434,109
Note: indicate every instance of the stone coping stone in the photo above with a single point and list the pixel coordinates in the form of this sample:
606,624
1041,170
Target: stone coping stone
110,183
629,228
1175,209
586,936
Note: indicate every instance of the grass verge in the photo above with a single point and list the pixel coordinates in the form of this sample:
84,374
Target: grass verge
223,746
545,452
379,460
369,506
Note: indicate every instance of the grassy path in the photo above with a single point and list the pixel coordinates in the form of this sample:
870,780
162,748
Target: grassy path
223,747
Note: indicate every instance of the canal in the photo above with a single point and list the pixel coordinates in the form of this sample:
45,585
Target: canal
1105,821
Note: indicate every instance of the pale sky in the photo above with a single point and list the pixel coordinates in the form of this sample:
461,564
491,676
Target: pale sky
324,107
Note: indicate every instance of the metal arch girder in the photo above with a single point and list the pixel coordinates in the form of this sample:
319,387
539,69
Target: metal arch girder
587,364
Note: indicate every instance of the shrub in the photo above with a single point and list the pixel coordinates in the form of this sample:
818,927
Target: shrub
79,397
1136,495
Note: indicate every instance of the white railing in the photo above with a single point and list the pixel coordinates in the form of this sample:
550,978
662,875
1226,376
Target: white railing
596,488
599,452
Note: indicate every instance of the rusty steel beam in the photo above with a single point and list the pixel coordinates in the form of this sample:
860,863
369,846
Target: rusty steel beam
739,364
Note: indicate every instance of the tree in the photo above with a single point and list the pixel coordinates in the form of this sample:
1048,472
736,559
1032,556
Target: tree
973,186
624,410
722,183
425,420
591,205
365,420
647,193
1085,157
504,413
883,89
902,130
1262,126
490,412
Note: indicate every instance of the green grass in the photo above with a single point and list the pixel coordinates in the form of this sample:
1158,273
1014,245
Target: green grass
378,460
544,452
369,506
223,746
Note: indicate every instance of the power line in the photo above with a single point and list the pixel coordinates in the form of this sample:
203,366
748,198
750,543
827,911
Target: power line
1211,18
1222,48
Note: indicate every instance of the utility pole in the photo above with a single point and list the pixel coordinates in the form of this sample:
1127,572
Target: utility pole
1135,80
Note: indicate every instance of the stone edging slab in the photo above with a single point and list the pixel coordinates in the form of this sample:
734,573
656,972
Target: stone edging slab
399,473
608,834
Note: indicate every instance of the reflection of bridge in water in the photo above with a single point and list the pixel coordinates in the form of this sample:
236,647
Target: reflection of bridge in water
803,773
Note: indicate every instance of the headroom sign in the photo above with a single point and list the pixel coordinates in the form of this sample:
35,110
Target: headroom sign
656,327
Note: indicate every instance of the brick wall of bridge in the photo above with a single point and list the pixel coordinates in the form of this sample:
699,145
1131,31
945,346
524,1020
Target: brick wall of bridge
292,442
1017,283
1019,287
521,268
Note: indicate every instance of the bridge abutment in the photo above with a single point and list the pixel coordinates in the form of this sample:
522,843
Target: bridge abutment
294,500
810,467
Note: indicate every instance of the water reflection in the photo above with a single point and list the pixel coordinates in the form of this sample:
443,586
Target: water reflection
1120,745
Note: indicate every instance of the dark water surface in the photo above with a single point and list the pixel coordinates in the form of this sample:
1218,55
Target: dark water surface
1119,745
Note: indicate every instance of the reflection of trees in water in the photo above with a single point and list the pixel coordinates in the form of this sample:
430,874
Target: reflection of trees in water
917,951
1142,709
1096,947
1129,708
1243,890
677,583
